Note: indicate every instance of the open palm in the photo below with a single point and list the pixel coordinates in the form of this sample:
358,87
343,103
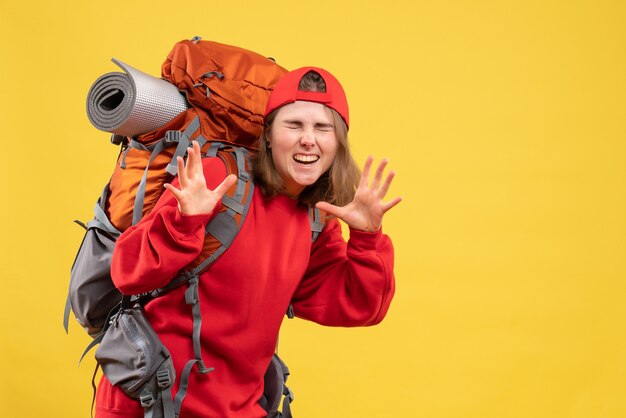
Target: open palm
194,197
366,210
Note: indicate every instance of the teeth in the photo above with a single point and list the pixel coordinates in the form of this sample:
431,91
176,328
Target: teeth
306,159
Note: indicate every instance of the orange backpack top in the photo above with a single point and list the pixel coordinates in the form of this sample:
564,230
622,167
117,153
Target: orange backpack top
230,83
227,88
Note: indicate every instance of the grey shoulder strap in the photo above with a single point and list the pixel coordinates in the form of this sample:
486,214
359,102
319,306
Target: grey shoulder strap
178,138
224,228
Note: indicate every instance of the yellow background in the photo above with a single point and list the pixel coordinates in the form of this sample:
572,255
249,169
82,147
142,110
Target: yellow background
505,121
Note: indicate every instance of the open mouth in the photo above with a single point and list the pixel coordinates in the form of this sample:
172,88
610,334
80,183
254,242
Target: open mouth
306,159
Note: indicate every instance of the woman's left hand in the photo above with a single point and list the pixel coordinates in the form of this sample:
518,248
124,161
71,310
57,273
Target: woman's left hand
366,210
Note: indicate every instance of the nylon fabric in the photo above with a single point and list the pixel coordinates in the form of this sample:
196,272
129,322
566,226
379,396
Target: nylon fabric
236,100
141,190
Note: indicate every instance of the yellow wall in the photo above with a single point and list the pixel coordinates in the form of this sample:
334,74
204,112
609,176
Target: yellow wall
505,121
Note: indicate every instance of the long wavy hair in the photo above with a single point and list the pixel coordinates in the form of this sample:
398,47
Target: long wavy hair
336,186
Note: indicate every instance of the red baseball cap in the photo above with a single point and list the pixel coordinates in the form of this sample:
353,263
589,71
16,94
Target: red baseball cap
286,91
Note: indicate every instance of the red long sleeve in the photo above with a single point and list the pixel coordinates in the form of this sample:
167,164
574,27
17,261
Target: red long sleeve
347,285
148,255
244,295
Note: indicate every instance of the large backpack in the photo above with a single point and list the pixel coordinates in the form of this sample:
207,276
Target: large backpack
227,88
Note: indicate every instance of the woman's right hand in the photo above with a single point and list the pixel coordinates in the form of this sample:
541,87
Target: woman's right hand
194,197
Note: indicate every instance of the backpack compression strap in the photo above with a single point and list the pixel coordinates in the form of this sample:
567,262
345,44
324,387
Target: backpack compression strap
224,227
178,138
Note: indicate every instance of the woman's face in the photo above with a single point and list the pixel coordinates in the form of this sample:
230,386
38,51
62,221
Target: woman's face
303,144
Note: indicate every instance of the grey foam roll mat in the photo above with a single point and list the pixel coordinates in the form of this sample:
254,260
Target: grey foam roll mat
133,102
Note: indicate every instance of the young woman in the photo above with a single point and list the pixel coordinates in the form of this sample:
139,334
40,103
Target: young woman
303,160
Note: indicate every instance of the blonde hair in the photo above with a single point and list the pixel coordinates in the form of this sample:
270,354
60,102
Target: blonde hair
336,186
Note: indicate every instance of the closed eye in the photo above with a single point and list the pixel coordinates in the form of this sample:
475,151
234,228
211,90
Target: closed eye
293,124
324,127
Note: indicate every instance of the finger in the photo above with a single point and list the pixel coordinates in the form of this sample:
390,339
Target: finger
177,193
385,187
366,172
224,186
330,209
391,204
379,174
190,169
197,159
182,173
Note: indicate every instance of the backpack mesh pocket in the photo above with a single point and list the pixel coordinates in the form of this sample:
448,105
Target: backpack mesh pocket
131,353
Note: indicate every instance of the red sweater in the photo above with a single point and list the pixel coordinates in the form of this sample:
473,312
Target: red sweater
245,294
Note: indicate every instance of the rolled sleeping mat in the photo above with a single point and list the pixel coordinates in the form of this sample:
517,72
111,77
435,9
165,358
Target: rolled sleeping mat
133,102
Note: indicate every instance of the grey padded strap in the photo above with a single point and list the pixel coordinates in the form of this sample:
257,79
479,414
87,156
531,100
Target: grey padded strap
223,227
316,223
141,190
231,203
240,156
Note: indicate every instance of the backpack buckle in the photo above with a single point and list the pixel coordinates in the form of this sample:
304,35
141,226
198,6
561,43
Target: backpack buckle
163,378
147,400
172,137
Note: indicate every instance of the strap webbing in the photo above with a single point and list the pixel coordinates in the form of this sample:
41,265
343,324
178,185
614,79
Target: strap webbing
91,345
164,382
93,386
168,403
223,227
213,149
101,220
141,190
172,137
192,298
231,203
184,384
182,139
66,314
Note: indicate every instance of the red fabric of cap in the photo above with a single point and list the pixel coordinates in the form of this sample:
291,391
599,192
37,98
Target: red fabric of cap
286,91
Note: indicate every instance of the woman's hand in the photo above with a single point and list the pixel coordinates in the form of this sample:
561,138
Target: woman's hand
366,210
194,197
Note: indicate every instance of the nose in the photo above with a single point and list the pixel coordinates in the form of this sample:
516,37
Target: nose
307,139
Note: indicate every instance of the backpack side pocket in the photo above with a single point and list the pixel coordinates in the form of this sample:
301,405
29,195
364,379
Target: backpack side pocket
92,294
